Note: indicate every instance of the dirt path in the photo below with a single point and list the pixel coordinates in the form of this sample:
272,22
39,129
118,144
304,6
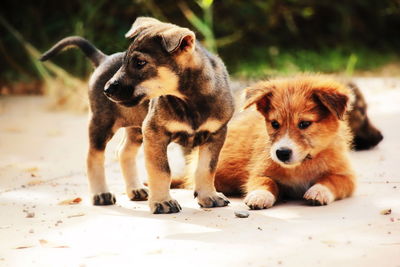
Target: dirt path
42,163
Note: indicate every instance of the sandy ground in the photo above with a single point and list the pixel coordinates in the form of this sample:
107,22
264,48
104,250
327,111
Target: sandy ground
42,163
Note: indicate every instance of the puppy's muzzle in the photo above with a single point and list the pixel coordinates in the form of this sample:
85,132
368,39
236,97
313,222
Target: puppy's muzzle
112,88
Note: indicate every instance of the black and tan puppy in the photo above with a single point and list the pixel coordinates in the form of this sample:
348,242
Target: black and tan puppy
165,88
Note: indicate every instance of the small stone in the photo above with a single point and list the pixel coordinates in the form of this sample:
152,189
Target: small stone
30,215
386,211
31,231
242,213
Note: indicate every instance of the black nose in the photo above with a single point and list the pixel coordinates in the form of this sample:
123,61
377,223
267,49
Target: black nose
111,88
284,154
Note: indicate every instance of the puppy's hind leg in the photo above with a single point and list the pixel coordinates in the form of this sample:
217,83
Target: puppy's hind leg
204,190
127,159
98,138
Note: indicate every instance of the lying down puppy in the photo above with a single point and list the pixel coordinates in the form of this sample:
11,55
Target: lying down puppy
294,145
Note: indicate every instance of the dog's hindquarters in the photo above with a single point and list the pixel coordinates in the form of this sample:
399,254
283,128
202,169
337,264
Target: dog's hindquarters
366,135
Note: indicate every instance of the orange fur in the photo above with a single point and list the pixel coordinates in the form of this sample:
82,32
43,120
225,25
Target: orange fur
247,164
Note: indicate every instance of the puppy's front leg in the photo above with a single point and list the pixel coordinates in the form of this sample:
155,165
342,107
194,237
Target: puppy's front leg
205,191
329,188
261,193
159,175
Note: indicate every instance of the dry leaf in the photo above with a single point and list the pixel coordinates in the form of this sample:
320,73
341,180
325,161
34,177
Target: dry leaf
14,130
24,247
71,201
54,133
386,211
76,215
35,182
32,169
43,242
47,244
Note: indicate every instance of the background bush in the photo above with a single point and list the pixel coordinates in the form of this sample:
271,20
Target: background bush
255,38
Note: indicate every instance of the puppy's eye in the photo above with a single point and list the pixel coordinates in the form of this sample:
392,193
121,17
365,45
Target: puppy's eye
304,124
140,63
275,124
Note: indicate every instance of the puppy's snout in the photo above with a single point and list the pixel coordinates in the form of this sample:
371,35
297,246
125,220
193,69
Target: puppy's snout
284,154
111,88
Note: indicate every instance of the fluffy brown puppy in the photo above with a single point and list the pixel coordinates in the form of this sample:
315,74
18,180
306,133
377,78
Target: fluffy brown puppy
295,145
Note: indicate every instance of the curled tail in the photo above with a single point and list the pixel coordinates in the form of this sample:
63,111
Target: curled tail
94,54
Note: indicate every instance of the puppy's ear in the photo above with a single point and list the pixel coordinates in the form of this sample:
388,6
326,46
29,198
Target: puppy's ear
260,95
178,39
140,24
335,102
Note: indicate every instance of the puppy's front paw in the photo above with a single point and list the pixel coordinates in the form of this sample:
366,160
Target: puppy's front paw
318,195
138,194
211,200
260,199
163,207
104,199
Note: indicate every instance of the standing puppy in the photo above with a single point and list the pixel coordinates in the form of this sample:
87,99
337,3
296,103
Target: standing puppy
190,104
295,145
165,88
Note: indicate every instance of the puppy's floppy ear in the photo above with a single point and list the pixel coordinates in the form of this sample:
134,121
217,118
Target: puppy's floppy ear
335,102
177,38
259,94
140,24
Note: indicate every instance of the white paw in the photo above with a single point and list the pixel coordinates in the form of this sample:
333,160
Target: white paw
259,199
319,194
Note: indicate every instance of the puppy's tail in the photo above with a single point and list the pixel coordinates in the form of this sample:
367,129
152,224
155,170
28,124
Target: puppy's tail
94,54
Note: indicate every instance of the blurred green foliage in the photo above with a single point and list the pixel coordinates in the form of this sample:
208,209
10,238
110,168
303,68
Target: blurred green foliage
255,38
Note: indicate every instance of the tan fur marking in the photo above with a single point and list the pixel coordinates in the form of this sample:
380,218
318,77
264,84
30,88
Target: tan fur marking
210,125
165,83
177,126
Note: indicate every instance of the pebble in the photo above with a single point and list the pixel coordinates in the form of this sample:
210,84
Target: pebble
242,213
30,215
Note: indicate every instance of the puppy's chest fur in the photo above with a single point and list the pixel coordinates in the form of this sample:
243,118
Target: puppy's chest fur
188,124
186,135
295,182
